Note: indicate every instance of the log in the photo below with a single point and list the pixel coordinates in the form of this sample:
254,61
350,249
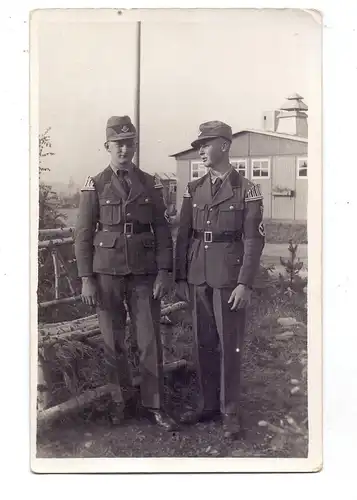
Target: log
80,326
58,231
57,272
55,242
55,302
76,403
64,323
178,306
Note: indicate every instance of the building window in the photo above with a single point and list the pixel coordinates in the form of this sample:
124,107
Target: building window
197,170
172,187
240,165
261,168
302,168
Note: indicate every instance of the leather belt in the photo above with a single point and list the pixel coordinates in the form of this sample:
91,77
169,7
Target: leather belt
212,237
127,228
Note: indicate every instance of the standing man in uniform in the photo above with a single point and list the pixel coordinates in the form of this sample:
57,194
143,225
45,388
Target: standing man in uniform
123,249
219,245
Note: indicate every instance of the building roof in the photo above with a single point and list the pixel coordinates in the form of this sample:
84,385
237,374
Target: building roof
166,176
253,131
294,103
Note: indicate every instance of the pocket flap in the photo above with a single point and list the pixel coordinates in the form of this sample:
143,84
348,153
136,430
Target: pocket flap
145,200
231,206
109,201
105,239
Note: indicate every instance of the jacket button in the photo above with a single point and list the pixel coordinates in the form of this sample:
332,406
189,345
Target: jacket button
101,244
206,246
208,222
128,235
195,205
146,200
128,215
231,207
210,209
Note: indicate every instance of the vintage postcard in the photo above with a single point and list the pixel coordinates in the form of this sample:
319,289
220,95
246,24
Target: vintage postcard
176,240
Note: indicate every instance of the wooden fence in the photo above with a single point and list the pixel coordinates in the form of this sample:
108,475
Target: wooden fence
52,240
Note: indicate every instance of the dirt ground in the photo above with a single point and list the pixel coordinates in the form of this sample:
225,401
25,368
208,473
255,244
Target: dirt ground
274,399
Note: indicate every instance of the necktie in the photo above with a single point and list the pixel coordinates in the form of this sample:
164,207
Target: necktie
216,185
123,181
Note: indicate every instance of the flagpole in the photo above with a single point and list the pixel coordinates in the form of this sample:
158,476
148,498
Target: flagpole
137,90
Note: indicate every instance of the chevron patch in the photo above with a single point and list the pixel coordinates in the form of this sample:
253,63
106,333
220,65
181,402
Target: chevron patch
261,229
88,185
254,193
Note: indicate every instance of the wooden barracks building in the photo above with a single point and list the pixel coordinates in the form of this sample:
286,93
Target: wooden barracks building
274,157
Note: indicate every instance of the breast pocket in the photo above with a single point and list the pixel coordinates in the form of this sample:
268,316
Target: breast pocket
198,214
230,216
110,211
144,210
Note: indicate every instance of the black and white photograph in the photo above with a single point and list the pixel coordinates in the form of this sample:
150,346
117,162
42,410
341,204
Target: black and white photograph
176,187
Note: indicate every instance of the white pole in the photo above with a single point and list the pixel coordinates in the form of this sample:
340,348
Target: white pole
137,90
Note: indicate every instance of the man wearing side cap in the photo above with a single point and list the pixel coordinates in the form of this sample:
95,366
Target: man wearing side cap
123,248
219,244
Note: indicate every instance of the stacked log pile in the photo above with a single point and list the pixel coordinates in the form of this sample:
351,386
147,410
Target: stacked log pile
64,349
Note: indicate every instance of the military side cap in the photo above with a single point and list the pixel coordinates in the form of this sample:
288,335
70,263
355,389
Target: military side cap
211,130
119,128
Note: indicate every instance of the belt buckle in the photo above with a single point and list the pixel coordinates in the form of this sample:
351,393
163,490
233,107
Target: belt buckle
128,228
207,236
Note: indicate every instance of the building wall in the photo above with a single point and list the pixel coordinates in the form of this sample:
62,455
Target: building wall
183,178
283,176
301,199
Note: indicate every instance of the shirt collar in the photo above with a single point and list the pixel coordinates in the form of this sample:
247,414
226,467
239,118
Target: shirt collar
217,175
128,168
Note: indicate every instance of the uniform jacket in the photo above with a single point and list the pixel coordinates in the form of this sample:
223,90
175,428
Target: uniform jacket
237,206
101,246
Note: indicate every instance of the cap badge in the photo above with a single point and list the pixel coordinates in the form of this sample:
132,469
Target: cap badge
125,129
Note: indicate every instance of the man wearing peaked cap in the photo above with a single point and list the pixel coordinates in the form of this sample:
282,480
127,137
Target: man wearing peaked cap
219,244
212,130
123,249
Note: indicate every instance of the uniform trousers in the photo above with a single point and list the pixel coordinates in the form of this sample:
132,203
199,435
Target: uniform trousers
219,334
144,312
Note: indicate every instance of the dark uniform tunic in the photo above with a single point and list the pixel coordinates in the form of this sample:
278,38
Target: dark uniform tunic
122,239
219,244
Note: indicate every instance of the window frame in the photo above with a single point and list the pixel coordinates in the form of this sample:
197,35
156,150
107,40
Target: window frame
196,162
241,160
305,159
172,187
260,176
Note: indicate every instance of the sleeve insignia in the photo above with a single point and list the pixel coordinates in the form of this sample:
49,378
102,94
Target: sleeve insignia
187,194
261,229
88,185
254,193
158,185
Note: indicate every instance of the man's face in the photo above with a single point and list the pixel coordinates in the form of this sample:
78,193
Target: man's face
213,151
121,152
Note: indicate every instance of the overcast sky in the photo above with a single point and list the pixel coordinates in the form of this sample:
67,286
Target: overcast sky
191,72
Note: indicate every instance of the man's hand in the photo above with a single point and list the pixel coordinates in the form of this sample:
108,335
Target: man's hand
240,297
161,285
182,290
89,291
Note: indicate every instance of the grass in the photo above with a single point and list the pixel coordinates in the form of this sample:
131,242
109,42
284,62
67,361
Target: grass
274,397
282,232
